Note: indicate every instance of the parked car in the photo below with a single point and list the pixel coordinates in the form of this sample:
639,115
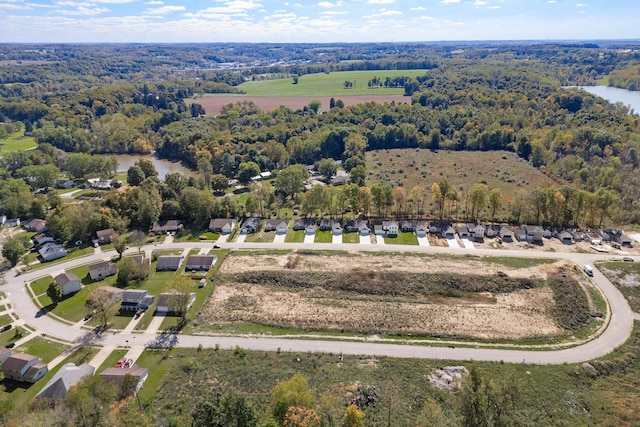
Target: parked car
627,259
6,327
10,345
216,246
128,363
120,363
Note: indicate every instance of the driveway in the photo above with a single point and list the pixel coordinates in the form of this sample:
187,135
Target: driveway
453,243
279,238
423,241
365,240
468,244
241,238
309,238
336,239
380,241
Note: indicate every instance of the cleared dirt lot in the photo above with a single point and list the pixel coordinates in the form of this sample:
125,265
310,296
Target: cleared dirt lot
515,315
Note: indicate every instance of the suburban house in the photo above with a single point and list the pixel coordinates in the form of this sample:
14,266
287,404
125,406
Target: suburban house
534,233
42,238
105,236
443,228
51,251
303,223
250,225
4,354
168,226
100,270
9,222
117,376
201,262
102,184
278,225
408,226
24,368
168,262
505,234
64,184
619,236
115,294
142,261
476,231
38,225
222,225
520,234
421,229
463,231
310,228
136,299
448,233
390,228
69,283
565,237
359,226
68,376
166,305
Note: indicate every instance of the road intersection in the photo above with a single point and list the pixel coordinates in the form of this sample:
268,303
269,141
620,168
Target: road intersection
616,333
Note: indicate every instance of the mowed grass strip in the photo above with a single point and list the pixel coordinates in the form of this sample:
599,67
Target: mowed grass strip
350,238
402,239
328,84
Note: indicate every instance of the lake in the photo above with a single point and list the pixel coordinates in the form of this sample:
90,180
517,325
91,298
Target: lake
163,166
628,98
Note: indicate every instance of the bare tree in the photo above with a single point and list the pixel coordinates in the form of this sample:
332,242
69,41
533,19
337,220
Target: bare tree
102,304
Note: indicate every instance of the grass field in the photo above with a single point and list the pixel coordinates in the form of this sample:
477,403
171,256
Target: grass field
401,239
350,238
323,236
462,169
16,142
328,84
296,236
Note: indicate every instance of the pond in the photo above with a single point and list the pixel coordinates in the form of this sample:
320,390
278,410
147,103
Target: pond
163,166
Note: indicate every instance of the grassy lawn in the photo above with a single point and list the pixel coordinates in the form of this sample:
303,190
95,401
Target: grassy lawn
518,262
73,253
157,365
13,334
261,237
323,236
21,394
328,84
402,239
40,286
350,238
462,169
4,320
45,349
294,236
16,142
194,236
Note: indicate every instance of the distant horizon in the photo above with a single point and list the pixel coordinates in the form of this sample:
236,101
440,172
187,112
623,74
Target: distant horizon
327,21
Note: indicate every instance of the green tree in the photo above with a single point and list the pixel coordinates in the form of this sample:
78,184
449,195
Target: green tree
478,199
219,183
119,244
315,106
246,171
129,272
147,167
13,248
358,175
54,292
327,168
495,202
293,392
222,409
205,168
135,175
58,225
290,180
101,302
89,401
180,289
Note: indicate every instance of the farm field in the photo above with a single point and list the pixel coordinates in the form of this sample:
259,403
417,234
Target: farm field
338,292
462,169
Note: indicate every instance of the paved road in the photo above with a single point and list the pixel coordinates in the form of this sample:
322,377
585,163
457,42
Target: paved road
617,332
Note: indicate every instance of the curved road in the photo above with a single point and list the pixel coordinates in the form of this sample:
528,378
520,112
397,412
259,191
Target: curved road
617,332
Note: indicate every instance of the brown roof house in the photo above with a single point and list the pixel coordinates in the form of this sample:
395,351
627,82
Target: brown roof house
69,283
24,368
166,226
167,302
201,262
38,225
168,262
105,236
68,376
100,270
117,376
222,225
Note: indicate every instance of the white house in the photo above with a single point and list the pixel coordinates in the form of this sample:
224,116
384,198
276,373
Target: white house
50,251
23,367
69,283
100,270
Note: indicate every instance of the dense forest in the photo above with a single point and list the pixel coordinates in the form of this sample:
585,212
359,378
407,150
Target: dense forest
135,99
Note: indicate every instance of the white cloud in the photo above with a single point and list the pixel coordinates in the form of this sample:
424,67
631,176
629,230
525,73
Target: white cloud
164,10
551,1
154,2
334,12
418,8
581,5
449,1
10,6
329,4
479,3
85,11
380,1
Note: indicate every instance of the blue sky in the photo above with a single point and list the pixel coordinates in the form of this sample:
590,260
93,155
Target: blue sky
315,21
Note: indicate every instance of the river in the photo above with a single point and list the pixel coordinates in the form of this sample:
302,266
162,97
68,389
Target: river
628,98
163,166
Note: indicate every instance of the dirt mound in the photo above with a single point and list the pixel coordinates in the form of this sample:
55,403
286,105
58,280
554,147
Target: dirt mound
448,378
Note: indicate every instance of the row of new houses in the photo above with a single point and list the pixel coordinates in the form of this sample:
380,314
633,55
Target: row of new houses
473,231
28,368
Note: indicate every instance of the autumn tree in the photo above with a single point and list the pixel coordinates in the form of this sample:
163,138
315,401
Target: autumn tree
101,302
495,202
180,289
478,199
400,199
299,416
221,409
89,401
119,244
291,393
353,417
137,238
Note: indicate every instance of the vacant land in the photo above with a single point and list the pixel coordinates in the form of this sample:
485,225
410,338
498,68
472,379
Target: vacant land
462,169
626,277
213,103
16,142
386,294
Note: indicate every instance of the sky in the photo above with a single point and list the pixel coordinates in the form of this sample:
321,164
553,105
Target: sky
278,21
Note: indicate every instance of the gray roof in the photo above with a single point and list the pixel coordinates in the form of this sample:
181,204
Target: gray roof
68,376
64,278
99,265
168,225
169,260
17,361
105,233
201,259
